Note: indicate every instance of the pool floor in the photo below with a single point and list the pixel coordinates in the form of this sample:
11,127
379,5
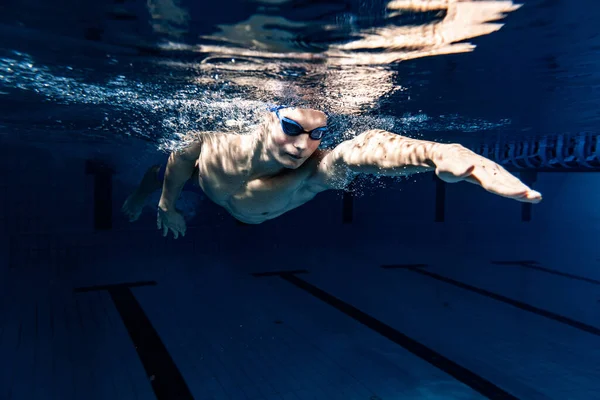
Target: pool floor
346,327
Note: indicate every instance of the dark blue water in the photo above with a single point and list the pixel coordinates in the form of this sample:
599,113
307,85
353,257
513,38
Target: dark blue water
478,297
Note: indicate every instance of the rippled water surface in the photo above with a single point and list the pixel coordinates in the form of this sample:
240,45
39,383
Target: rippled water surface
444,69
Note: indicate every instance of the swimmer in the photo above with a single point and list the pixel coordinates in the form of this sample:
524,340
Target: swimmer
260,176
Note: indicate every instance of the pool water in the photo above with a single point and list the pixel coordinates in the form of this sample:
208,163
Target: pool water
394,289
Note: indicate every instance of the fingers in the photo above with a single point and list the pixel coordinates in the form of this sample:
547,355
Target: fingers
177,228
534,196
531,196
518,191
463,165
501,188
514,188
497,180
165,230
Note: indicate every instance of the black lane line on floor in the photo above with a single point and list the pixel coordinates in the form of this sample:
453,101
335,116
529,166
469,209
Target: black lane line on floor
165,378
515,303
469,378
534,265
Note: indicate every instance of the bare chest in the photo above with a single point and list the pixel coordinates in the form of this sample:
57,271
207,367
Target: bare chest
253,200
259,200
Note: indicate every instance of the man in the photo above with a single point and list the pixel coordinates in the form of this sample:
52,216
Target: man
279,167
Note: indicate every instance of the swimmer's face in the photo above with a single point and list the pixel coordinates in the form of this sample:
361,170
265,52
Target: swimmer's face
292,151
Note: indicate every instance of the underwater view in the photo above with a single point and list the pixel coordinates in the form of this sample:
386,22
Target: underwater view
296,200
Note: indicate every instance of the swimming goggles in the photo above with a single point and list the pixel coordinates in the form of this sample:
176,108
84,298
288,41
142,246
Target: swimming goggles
292,128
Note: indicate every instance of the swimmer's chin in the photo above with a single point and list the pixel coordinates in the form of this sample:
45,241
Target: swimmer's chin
294,165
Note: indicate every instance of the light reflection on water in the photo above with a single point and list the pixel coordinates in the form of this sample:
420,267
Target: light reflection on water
338,56
345,76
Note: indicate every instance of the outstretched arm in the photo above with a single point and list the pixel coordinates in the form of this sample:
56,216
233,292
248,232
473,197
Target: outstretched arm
383,153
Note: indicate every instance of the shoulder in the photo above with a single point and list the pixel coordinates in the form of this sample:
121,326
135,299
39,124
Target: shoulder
214,139
327,171
231,149
319,160
319,155
194,143
327,158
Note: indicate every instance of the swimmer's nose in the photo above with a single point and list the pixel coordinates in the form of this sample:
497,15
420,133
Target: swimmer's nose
301,143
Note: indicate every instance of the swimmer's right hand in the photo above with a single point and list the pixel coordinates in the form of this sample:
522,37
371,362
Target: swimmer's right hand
170,219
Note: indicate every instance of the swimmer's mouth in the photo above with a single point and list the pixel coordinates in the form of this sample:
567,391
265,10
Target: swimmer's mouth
296,157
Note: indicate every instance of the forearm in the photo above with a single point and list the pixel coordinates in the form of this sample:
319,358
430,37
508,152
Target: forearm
177,172
384,153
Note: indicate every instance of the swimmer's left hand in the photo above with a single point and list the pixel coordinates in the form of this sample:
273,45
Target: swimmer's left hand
455,163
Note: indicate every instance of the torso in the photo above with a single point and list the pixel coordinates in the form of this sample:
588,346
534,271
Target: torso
224,177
